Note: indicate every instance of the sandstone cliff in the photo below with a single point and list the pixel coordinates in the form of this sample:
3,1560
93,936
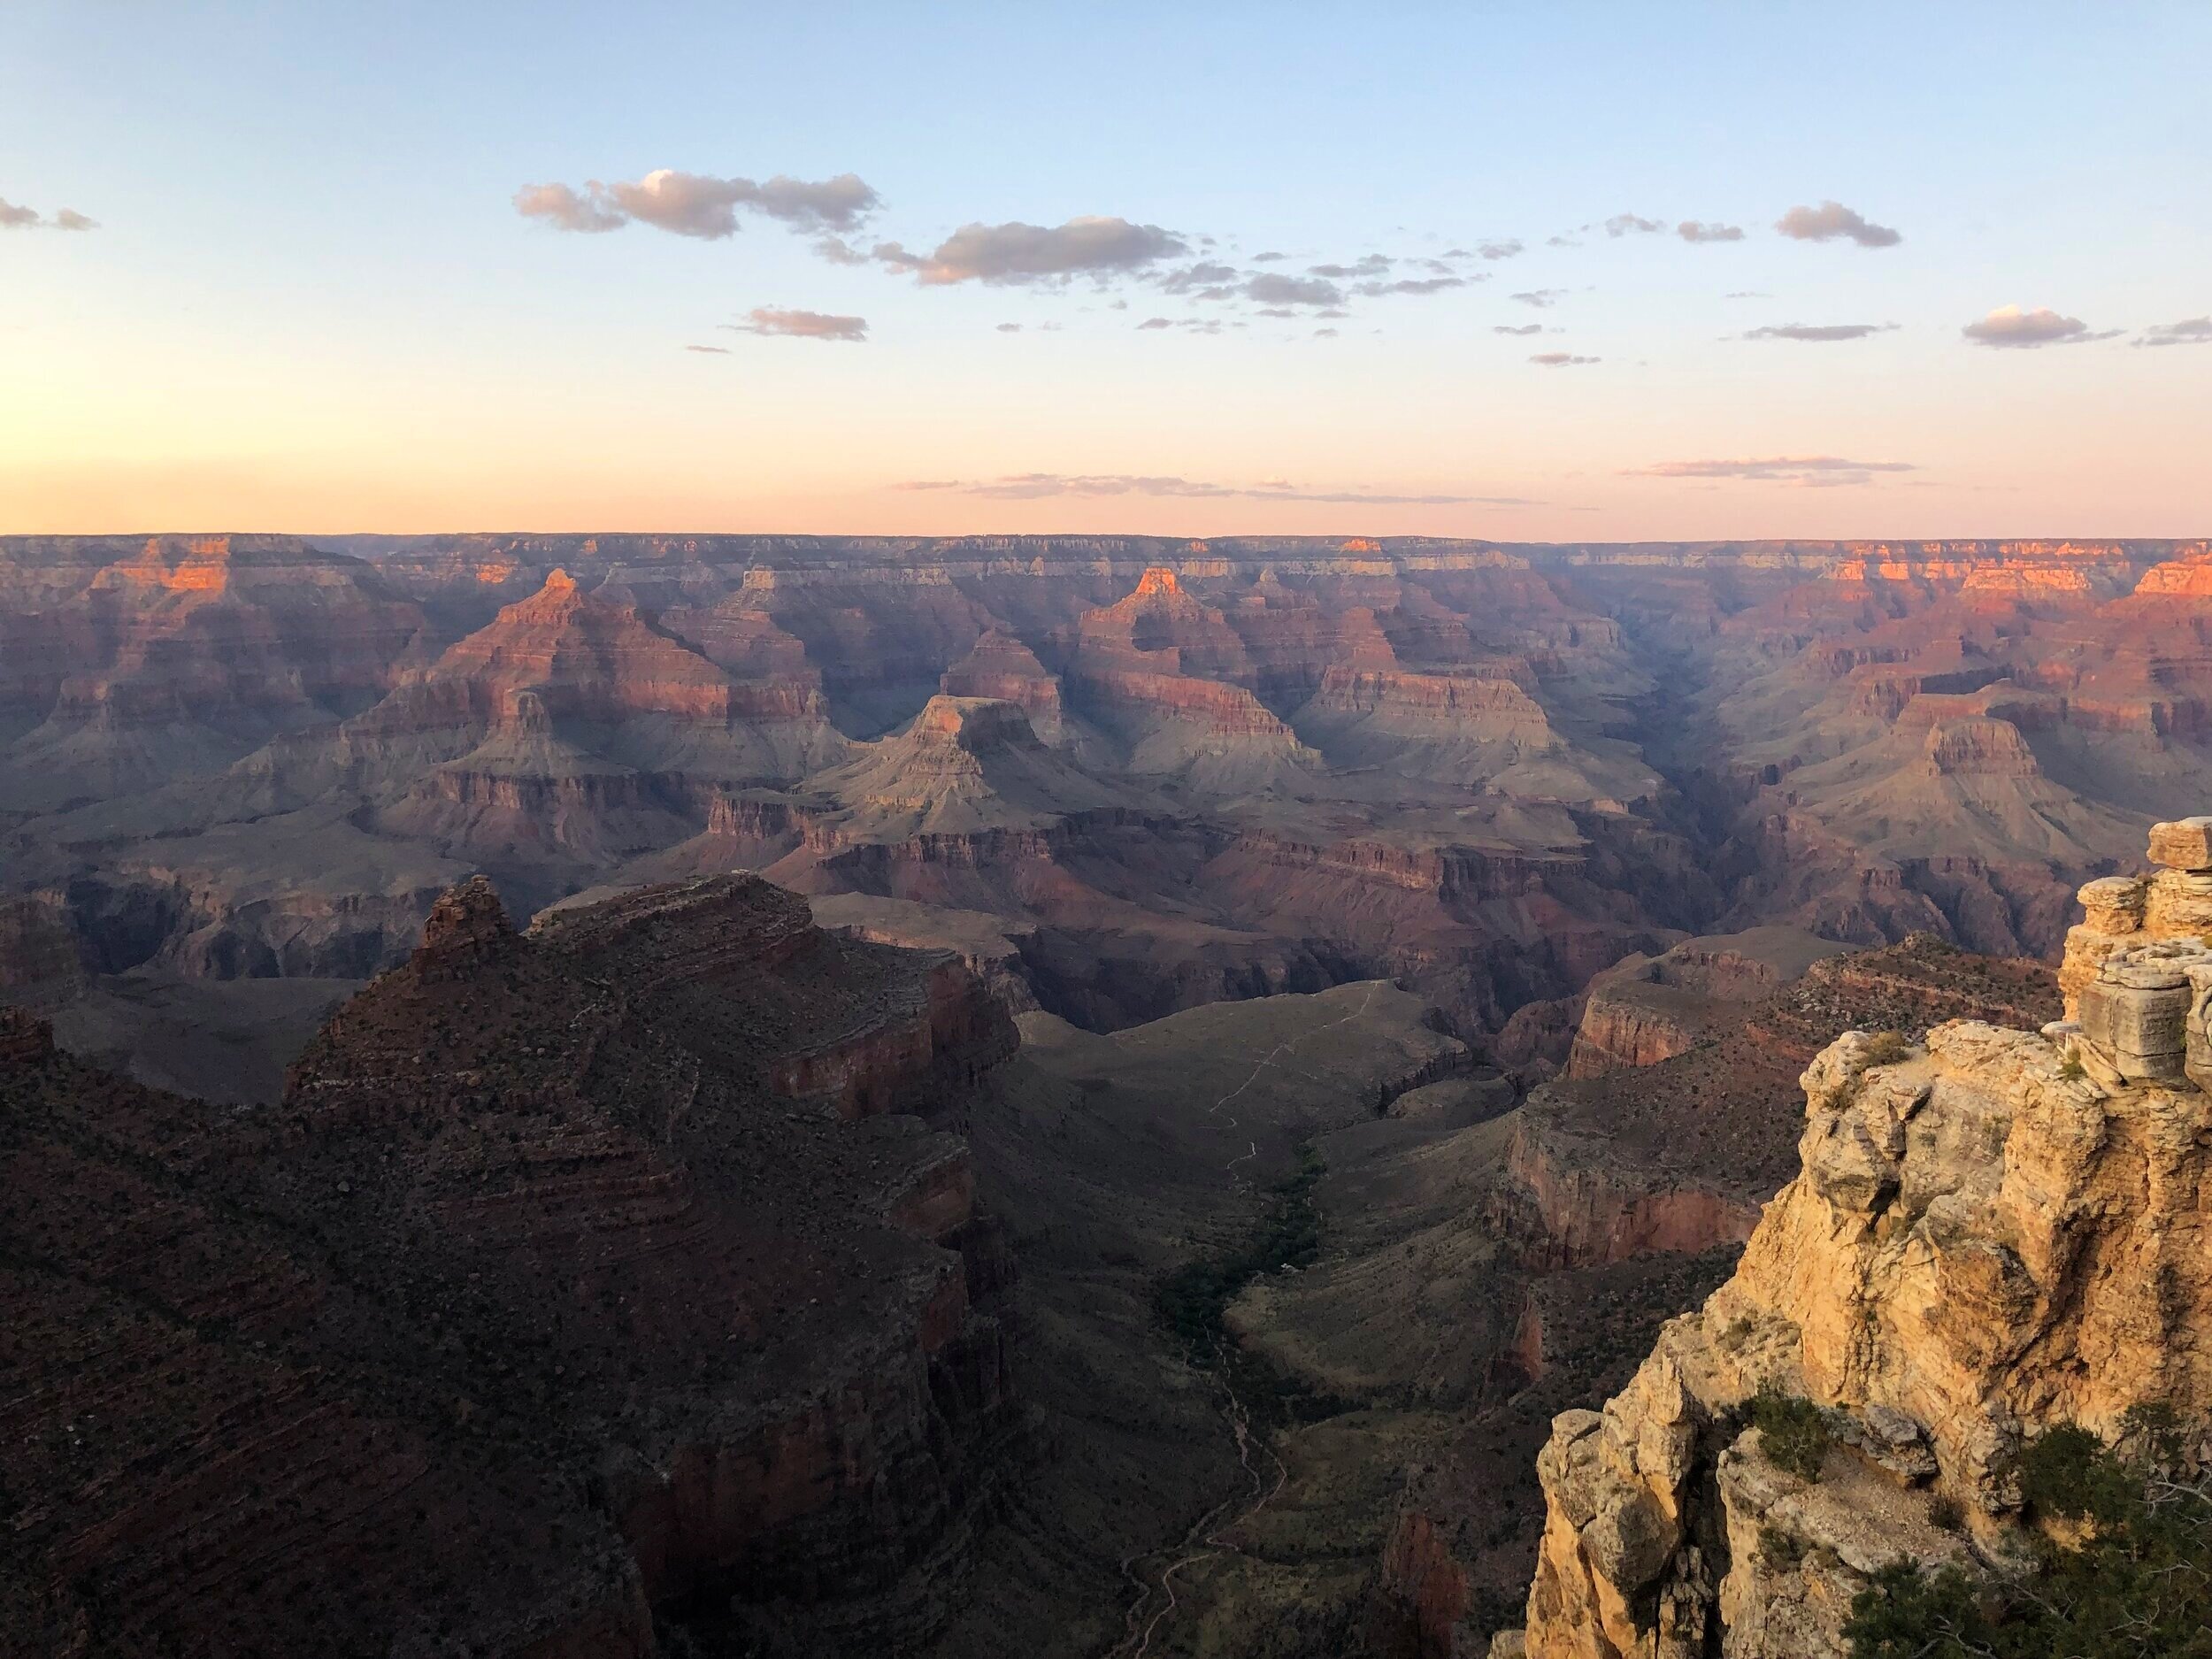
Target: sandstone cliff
1993,1231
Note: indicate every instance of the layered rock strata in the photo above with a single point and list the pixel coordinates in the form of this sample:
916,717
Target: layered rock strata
1993,1231
592,1289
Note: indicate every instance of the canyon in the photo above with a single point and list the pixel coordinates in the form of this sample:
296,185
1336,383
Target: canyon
719,1094
1172,772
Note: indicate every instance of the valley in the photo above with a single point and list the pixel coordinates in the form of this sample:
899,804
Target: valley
965,1097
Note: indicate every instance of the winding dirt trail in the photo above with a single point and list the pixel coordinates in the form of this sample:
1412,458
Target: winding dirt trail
1209,1535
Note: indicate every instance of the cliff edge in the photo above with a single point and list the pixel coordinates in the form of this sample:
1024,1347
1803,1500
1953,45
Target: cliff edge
1993,1233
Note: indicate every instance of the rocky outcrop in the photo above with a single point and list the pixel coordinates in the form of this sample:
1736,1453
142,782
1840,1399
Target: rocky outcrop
1993,1232
590,1284
1649,1009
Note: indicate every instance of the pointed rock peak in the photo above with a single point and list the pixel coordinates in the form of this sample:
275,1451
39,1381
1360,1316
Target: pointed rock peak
467,921
978,724
559,581
1157,580
526,713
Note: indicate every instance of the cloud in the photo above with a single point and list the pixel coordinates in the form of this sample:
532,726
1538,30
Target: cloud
1699,230
1009,328
1038,486
1505,249
797,325
1272,288
702,205
1156,322
1832,219
1268,258
1416,284
1747,294
1325,333
1017,253
1517,328
1622,223
1374,264
14,217
2011,326
1559,359
1541,297
1207,274
1818,331
2191,331
1561,242
1804,472
711,351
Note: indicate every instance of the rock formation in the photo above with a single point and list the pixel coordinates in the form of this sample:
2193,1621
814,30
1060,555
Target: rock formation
590,1285
1993,1231
1489,771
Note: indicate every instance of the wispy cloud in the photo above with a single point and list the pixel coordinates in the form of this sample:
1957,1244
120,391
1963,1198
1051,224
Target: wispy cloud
1019,253
1372,265
711,351
699,205
2015,327
15,218
1804,471
798,325
1559,360
1541,297
1832,221
1818,332
1700,230
1517,328
1272,288
1628,224
1038,486
1417,285
1510,247
2191,331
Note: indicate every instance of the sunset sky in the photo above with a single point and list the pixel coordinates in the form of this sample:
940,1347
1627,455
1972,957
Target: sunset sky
1548,272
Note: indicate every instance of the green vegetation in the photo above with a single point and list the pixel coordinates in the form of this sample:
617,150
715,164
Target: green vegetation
2071,1068
1887,1047
1194,1300
1792,1432
2137,1586
1192,1304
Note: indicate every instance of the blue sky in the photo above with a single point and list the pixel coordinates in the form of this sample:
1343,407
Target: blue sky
309,302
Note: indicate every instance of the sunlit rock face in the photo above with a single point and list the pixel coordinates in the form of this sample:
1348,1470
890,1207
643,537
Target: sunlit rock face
1490,770
1993,1232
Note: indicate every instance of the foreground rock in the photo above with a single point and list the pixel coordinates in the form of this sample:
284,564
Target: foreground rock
589,1285
1993,1231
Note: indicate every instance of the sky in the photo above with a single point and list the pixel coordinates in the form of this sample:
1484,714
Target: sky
1547,271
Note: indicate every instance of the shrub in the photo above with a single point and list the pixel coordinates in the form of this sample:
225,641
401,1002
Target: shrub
1946,1513
1792,1432
1887,1047
2071,1068
2068,1473
2138,1585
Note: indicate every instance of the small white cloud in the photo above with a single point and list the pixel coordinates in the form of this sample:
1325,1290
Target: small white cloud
1832,220
799,325
2011,326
